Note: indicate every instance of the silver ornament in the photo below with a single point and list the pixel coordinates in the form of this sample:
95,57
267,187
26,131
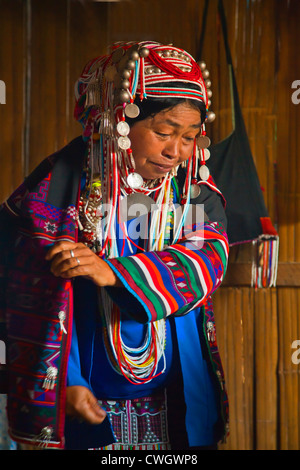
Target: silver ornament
195,191
135,181
130,64
210,116
124,96
124,143
123,128
144,52
126,73
134,55
204,173
132,110
203,141
125,84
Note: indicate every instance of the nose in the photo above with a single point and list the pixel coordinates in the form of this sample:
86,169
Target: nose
171,149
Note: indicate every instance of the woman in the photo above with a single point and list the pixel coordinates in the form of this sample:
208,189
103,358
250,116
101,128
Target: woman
116,277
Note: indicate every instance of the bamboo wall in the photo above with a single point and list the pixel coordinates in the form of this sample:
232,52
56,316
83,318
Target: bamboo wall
43,47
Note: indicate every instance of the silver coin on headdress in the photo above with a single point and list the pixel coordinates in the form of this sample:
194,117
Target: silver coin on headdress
123,128
203,141
132,110
124,142
134,180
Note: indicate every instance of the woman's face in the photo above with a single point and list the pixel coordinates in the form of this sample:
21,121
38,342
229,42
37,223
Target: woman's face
162,142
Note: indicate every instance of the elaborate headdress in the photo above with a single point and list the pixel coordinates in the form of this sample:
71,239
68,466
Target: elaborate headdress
107,93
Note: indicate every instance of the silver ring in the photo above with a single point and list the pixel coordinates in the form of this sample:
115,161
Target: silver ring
72,253
78,261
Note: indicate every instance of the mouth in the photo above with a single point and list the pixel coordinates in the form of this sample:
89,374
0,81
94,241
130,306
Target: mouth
162,168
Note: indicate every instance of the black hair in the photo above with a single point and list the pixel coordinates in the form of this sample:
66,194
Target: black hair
152,106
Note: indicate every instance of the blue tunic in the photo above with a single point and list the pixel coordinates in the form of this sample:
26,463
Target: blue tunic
89,364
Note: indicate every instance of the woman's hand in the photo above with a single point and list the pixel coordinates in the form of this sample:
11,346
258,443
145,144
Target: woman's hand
70,260
82,404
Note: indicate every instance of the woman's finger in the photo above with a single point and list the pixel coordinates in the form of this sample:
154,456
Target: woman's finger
64,263
59,248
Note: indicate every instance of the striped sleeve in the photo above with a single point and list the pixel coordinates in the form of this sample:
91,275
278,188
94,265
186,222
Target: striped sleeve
179,278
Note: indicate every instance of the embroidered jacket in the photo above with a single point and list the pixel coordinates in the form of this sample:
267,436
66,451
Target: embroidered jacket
37,307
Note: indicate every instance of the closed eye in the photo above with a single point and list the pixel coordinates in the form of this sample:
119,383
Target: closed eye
162,134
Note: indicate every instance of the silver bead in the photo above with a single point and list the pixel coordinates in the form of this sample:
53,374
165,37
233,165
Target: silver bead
205,73
202,65
210,116
130,65
134,55
124,96
126,73
144,52
208,83
125,84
